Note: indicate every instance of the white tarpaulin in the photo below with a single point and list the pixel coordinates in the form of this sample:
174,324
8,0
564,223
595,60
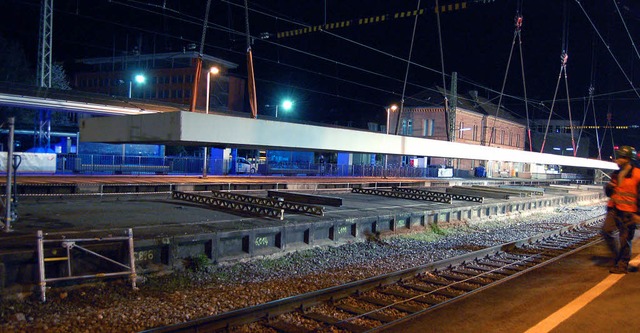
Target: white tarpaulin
31,162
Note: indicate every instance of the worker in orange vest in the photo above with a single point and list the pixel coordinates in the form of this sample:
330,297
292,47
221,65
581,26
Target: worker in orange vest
622,208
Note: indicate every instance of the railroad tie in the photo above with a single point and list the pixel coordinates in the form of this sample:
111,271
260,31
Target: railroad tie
335,322
371,315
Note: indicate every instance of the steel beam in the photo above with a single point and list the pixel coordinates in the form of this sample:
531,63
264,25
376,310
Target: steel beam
295,207
306,198
401,195
451,195
243,207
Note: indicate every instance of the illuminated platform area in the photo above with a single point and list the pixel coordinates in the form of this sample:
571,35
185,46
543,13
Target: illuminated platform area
197,129
575,294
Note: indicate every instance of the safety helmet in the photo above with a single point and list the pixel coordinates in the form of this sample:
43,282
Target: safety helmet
626,151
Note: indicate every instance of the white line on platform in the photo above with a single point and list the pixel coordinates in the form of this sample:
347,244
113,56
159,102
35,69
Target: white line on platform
555,319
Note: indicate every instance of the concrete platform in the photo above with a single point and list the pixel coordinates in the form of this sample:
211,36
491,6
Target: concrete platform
576,294
167,231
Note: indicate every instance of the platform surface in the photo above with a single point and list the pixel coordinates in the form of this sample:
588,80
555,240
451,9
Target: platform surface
576,294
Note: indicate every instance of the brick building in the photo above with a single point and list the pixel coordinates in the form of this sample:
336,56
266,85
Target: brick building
477,123
168,78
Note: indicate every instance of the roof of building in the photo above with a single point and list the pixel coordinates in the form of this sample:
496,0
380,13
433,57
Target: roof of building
470,101
157,56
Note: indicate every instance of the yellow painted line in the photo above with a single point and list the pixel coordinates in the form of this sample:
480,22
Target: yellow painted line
570,309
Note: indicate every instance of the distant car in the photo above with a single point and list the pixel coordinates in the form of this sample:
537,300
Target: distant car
244,166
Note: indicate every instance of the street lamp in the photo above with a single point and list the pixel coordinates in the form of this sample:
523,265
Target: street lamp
389,109
286,105
139,78
212,71
386,156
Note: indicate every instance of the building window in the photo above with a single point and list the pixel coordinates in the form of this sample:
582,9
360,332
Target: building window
429,127
518,140
503,135
475,132
409,127
493,135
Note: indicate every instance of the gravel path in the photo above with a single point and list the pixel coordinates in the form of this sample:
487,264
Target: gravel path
173,298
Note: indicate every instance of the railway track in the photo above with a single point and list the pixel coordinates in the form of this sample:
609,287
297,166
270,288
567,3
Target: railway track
379,302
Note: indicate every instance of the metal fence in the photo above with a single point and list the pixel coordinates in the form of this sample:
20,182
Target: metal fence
93,164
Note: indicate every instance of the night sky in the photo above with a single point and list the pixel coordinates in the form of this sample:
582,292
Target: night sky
352,73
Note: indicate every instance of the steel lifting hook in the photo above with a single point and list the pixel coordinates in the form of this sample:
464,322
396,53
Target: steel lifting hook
564,57
518,22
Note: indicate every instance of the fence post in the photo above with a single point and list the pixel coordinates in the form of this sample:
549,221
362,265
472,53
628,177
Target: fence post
42,283
132,259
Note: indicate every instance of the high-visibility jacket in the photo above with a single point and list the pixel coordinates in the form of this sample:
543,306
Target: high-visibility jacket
625,194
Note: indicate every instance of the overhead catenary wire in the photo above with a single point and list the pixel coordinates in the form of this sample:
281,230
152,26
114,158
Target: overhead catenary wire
194,20
615,3
353,82
608,47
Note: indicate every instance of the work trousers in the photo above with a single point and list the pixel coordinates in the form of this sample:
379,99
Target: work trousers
624,224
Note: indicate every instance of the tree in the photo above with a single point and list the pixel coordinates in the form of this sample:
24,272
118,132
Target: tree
59,78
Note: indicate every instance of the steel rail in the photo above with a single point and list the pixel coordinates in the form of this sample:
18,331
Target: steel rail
482,258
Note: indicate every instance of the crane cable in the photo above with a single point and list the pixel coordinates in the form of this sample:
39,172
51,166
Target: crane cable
564,57
444,80
604,134
406,74
591,102
516,34
524,87
251,79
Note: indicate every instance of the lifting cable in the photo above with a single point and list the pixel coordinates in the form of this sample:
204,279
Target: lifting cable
444,80
591,102
564,57
604,134
251,80
516,34
595,120
194,96
406,74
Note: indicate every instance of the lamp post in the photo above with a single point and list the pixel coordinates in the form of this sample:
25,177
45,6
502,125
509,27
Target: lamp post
212,71
139,78
286,105
386,156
